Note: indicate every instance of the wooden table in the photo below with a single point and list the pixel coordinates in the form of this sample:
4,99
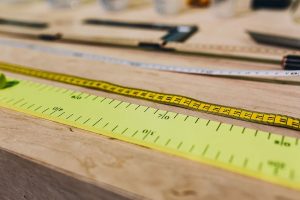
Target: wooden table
40,159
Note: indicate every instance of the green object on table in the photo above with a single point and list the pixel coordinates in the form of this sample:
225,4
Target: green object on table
251,152
4,83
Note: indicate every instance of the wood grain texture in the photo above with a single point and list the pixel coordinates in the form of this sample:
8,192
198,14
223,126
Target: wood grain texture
40,159
35,181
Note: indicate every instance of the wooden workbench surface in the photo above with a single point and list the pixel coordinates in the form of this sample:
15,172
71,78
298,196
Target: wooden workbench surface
40,159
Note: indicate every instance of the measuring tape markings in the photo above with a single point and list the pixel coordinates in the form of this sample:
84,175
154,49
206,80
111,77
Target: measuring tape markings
254,153
246,49
162,98
119,61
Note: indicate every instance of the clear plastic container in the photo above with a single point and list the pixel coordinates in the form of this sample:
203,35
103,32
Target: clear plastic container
64,3
114,5
169,7
231,8
15,1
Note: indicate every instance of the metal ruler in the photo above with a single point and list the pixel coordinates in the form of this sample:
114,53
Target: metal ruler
266,156
162,98
153,66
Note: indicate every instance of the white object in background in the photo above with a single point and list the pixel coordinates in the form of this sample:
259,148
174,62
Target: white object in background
231,8
295,11
169,7
64,3
114,5
14,1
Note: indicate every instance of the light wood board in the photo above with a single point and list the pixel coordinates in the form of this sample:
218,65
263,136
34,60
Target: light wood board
45,160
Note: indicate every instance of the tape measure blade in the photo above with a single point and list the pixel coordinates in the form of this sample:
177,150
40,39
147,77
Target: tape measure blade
162,98
151,66
250,152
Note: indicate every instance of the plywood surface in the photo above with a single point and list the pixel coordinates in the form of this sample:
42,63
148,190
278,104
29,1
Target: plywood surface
39,158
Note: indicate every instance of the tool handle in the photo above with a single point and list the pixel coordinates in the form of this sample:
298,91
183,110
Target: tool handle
27,24
271,4
50,37
291,62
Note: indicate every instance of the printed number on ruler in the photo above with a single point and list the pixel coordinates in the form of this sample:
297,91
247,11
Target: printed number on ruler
167,99
262,155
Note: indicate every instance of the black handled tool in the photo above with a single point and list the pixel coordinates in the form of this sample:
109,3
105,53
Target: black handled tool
291,62
26,24
271,4
275,40
175,33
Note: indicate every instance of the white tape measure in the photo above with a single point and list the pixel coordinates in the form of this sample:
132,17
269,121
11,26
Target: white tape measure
153,66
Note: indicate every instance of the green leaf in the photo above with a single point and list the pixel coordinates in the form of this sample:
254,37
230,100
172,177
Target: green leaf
3,81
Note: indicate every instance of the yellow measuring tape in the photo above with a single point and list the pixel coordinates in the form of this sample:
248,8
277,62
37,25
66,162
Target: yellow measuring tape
168,99
266,156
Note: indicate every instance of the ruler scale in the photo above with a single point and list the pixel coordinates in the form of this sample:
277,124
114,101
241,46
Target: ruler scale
254,153
162,98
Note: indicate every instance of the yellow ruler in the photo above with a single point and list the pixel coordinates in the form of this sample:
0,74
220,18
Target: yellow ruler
263,155
162,98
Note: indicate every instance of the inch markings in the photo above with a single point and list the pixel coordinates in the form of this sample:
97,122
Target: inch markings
177,100
243,151
149,66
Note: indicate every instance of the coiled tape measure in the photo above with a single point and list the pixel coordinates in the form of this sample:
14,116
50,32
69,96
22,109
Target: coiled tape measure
263,155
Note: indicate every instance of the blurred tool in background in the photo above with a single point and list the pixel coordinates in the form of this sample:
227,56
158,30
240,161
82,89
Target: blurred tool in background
275,40
231,8
224,8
